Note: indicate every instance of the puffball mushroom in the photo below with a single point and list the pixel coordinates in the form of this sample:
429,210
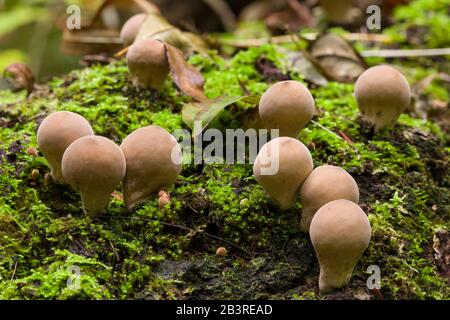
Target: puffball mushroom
325,183
153,159
287,106
56,132
340,233
280,167
148,64
382,94
94,166
131,28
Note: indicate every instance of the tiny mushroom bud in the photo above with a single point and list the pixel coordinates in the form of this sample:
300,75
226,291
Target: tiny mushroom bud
148,64
32,151
153,159
131,28
163,199
287,106
34,174
340,233
94,166
221,252
281,167
56,132
382,94
325,183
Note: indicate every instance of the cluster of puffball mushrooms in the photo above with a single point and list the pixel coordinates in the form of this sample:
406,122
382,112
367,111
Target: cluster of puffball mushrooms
149,160
339,229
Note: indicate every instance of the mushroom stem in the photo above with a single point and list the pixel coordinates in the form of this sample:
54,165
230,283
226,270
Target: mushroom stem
95,204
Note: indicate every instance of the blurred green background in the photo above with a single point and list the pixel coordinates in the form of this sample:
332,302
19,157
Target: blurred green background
30,32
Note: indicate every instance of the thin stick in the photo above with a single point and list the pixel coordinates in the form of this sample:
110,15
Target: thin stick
391,53
182,228
15,269
326,129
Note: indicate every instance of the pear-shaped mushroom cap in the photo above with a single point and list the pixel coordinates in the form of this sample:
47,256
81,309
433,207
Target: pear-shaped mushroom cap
340,233
325,183
280,167
56,132
287,106
94,166
382,94
148,64
153,159
131,28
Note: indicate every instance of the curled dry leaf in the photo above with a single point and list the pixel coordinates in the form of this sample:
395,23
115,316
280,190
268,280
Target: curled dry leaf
301,62
205,111
20,77
339,60
187,78
157,27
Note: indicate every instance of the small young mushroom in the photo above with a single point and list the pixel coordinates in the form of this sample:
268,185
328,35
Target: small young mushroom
287,106
94,166
56,132
280,167
148,64
325,183
382,94
340,233
131,28
153,159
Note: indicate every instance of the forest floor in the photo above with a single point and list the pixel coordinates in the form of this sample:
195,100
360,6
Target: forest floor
402,173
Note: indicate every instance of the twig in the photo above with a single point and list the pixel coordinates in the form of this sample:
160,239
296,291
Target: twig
394,53
14,270
345,137
182,228
256,42
326,129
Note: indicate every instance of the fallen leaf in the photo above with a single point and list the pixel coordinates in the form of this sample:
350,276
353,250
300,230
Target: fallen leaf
157,27
300,61
206,111
20,77
269,71
297,15
187,78
337,57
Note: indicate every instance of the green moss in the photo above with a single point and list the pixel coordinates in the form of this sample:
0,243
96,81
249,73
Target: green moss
430,15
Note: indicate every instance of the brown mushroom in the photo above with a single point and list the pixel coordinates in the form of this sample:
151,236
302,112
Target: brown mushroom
382,94
280,167
148,64
325,183
153,159
340,233
131,28
287,106
56,132
94,166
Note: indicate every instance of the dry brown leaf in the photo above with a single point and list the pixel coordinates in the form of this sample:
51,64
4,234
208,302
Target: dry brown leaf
337,57
187,78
